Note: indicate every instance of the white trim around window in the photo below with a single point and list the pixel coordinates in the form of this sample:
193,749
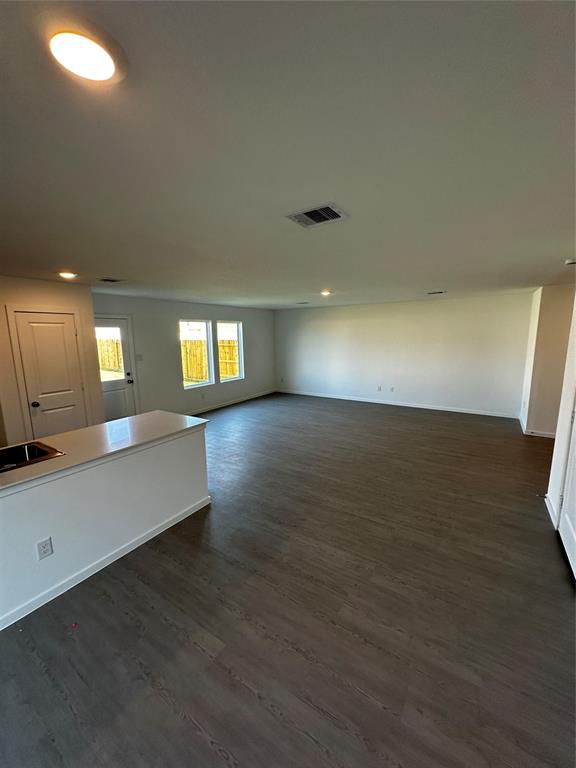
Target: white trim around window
200,371
230,360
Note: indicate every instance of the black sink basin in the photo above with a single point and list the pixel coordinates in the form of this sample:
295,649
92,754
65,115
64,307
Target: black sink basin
17,456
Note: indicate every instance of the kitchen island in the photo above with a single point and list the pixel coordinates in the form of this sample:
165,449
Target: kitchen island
111,487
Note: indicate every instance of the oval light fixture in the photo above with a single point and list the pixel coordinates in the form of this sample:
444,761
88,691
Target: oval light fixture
68,275
326,293
82,56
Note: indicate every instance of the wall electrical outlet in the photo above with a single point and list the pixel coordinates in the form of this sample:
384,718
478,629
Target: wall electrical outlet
379,387
45,548
391,389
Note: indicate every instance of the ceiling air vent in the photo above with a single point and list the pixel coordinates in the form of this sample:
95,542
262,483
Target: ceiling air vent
313,217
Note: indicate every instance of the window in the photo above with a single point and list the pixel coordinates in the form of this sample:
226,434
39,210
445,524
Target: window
230,352
109,342
196,350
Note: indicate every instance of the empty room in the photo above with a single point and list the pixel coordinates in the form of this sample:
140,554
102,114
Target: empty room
287,384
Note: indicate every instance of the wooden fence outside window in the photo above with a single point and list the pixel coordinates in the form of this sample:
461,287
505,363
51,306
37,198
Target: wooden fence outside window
228,359
195,361
110,354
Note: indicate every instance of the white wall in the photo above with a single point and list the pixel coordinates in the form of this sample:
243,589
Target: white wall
158,363
554,311
452,354
561,444
46,296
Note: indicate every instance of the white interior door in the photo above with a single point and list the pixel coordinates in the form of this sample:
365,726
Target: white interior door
116,366
52,373
567,527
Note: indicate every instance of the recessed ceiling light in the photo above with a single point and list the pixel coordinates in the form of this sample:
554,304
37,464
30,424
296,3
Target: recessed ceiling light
326,293
82,56
68,275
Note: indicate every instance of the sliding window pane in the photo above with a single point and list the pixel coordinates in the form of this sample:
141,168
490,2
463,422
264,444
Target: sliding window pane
230,353
196,351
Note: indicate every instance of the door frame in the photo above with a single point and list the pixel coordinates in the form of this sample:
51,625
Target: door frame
130,341
565,524
569,449
11,310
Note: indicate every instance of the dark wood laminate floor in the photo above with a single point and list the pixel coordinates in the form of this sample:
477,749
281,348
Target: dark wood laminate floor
372,586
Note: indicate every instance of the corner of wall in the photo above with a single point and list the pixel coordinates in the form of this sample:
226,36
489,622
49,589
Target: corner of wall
275,333
545,358
530,352
3,440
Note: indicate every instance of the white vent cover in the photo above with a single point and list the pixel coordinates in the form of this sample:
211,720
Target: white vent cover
314,217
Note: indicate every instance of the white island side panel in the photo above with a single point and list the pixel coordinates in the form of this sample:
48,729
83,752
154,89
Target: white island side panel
95,516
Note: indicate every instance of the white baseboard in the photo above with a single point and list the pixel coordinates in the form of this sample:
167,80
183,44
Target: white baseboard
534,432
537,433
552,511
207,408
568,536
25,608
400,404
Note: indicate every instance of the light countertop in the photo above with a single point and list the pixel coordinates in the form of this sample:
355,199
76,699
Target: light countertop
89,444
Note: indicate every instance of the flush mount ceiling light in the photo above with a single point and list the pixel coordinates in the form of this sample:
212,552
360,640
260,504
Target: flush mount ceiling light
570,262
68,275
82,56
326,293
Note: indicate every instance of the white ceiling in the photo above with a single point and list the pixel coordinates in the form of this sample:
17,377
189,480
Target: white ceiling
445,130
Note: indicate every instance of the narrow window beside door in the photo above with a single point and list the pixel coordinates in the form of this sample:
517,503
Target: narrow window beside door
196,351
230,351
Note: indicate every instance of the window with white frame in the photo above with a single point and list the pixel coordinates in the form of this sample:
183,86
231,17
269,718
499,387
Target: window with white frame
196,351
230,350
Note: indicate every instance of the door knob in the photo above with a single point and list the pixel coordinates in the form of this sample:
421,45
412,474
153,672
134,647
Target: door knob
35,404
